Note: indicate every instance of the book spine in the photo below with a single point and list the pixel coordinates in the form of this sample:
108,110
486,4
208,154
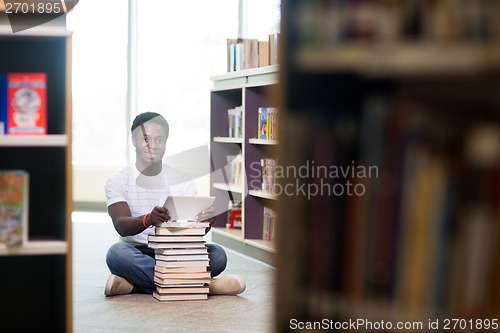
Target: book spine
3,103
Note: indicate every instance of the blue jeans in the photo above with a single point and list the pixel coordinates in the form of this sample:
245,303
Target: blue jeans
136,263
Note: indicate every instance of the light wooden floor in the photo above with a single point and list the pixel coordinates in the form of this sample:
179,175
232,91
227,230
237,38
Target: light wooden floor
93,233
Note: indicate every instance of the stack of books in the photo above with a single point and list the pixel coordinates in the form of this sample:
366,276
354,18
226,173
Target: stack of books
181,267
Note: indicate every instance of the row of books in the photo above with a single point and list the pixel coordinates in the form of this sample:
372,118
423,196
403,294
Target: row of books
268,171
423,231
246,53
269,223
327,22
14,188
268,123
23,103
181,261
234,169
235,122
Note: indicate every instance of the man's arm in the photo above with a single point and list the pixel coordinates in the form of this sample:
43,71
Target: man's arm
126,225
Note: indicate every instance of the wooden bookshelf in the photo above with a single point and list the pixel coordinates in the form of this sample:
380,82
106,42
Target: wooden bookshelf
402,59
421,107
250,89
48,160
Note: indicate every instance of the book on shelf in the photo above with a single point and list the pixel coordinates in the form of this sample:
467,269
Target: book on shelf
234,46
231,53
267,123
3,104
14,188
273,48
180,297
268,224
247,53
234,169
26,110
235,122
251,53
264,53
268,172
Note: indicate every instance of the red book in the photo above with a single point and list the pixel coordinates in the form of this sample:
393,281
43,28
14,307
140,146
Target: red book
27,103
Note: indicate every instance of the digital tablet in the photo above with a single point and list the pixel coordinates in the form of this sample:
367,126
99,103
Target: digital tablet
185,208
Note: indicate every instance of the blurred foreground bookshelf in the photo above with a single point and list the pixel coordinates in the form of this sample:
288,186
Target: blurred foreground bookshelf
390,109
36,275
236,152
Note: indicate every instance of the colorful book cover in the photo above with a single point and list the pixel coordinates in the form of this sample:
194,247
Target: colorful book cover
13,207
262,134
272,123
27,103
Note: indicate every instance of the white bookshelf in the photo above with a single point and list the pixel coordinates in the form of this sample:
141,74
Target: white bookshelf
223,139
263,194
269,142
250,89
228,187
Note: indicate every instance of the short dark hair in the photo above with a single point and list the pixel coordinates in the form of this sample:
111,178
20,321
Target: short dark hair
150,116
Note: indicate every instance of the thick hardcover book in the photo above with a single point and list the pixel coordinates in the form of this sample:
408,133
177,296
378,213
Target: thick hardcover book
174,238
184,269
178,297
13,207
175,245
181,257
179,263
183,289
192,275
195,250
167,282
175,231
26,103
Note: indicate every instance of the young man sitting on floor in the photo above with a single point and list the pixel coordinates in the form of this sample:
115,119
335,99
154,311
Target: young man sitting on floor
132,196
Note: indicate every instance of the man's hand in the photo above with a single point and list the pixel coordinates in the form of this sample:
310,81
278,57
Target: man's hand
158,216
206,215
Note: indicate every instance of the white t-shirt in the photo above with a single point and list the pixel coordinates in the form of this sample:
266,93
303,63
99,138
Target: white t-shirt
142,193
